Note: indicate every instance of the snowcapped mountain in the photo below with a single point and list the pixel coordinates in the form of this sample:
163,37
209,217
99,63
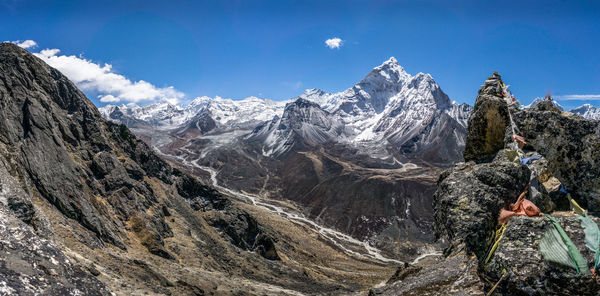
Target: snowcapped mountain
226,113
587,111
301,119
161,114
388,108
232,113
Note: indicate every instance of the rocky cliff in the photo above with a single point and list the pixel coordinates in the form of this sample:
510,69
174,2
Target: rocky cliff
561,151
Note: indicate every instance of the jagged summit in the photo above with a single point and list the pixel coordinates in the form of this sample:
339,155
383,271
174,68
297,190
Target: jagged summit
588,111
389,106
387,75
391,65
391,60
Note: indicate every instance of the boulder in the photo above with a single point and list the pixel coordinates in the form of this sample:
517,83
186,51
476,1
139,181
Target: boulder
527,272
469,198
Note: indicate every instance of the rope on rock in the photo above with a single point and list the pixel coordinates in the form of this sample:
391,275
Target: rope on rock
518,141
498,237
509,101
504,274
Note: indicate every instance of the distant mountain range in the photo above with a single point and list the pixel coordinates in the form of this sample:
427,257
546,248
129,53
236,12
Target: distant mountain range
388,113
227,113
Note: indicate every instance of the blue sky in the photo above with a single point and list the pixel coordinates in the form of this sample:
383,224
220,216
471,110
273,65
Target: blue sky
276,49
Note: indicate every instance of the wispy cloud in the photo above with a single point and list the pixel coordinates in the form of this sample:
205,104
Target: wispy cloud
111,87
295,85
334,42
24,44
579,97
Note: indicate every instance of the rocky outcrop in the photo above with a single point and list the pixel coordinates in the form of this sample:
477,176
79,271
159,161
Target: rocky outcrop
571,144
457,275
546,105
245,232
488,122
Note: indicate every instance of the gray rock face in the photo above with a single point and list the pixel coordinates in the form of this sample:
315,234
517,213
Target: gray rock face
488,122
571,144
456,275
529,274
30,264
469,198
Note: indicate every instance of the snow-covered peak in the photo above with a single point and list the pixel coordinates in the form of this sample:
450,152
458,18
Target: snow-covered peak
391,65
390,72
199,102
391,60
315,95
366,98
588,111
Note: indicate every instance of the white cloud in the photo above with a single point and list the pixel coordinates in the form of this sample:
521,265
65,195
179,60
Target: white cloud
24,44
295,85
108,99
334,42
579,97
111,86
